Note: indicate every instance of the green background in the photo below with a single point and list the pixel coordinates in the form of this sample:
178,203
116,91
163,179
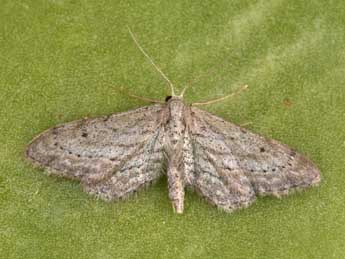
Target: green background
63,60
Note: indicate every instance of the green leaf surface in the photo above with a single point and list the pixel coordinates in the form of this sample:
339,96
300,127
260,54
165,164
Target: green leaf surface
62,60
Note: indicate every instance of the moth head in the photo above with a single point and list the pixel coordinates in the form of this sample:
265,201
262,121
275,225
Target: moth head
172,97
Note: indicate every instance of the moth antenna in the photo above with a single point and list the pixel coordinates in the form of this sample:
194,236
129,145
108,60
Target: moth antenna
222,98
151,61
184,90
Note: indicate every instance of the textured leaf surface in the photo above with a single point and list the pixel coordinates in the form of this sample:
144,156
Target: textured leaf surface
63,60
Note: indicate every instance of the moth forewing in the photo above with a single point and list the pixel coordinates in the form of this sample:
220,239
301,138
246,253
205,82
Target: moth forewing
113,156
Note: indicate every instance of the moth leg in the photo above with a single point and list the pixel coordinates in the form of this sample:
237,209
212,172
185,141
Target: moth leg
229,192
221,98
145,99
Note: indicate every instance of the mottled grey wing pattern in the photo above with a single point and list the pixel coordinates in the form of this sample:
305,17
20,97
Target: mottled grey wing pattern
111,155
239,164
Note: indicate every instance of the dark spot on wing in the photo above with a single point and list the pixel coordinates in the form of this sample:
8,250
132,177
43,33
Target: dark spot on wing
84,135
262,149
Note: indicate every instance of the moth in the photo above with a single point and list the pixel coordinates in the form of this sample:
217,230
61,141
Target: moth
116,155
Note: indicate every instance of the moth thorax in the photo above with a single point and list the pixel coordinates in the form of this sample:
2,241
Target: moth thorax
176,114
